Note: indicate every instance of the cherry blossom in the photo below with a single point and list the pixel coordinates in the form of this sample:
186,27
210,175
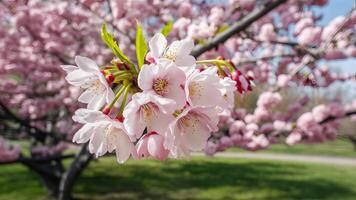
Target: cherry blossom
190,131
89,77
103,133
178,51
151,144
165,79
202,88
148,110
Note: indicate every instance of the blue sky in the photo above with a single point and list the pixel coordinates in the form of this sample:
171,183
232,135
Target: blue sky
333,9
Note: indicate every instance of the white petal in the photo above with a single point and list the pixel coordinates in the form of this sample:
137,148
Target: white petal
102,148
185,61
145,78
97,102
83,116
124,148
109,95
86,64
141,148
178,95
96,139
158,44
83,134
69,68
134,125
78,77
186,47
159,122
196,135
86,96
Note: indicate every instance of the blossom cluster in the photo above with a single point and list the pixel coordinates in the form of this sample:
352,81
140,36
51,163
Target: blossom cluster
167,107
265,126
8,152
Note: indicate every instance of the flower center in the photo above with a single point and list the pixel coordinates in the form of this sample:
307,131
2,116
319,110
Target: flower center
160,86
189,124
93,85
147,111
111,137
171,52
195,89
184,121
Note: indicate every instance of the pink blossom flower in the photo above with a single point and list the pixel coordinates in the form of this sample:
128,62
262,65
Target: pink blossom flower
250,118
178,51
282,125
238,127
267,128
185,9
294,138
7,152
89,77
269,100
202,88
225,142
151,144
283,80
302,24
246,4
148,110
320,112
261,113
104,134
210,148
190,131
308,124
334,54
164,79
336,109
309,35
227,89
333,26
351,51
258,142
267,33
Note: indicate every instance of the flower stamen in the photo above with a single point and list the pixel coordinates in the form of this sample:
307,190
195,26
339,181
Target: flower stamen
160,86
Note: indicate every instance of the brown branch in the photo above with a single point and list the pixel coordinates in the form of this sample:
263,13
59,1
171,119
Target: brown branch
34,131
265,58
331,118
237,27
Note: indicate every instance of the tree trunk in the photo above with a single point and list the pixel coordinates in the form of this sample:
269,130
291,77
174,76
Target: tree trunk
81,160
50,173
353,140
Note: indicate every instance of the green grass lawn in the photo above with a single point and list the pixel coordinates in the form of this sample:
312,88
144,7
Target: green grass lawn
200,178
338,147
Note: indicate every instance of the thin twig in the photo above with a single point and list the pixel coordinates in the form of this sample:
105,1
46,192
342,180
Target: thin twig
237,27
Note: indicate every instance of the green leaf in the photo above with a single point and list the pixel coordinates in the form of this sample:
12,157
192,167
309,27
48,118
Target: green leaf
141,46
221,29
111,43
167,28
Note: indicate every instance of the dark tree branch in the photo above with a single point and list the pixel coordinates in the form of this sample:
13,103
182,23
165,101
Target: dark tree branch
38,159
246,61
33,131
236,28
331,118
49,168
